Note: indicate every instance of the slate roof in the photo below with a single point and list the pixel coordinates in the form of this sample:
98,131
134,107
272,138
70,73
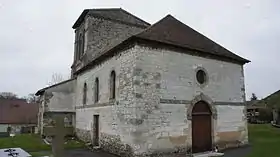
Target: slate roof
171,32
18,111
116,14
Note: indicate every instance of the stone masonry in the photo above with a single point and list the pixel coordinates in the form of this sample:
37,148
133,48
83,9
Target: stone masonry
116,117
100,35
162,75
155,91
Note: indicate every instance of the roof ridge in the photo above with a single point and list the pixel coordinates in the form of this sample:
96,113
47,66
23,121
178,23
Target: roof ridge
158,22
134,16
105,9
146,29
98,12
215,47
271,94
59,83
182,37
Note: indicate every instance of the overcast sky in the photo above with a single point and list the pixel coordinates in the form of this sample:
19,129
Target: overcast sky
36,38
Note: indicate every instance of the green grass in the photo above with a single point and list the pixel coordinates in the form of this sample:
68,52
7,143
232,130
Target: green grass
32,143
265,140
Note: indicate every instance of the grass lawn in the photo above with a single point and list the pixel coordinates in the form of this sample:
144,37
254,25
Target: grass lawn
265,140
33,143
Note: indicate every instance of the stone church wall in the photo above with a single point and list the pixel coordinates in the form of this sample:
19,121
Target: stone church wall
165,85
155,90
116,117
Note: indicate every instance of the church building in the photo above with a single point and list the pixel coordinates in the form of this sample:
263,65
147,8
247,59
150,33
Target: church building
139,89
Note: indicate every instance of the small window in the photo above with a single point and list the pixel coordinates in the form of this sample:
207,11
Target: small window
201,76
83,42
85,94
96,90
80,46
113,85
77,50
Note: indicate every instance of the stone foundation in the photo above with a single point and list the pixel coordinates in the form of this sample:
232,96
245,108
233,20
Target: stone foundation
224,145
232,139
109,143
83,135
113,144
177,151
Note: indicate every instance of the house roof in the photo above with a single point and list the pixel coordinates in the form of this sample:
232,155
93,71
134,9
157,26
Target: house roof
256,107
41,91
18,111
116,14
272,100
171,32
252,102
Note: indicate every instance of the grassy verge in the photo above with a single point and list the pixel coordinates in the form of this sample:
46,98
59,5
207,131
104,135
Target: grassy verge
33,143
265,140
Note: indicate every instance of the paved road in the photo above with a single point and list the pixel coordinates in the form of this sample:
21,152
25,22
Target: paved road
238,152
87,153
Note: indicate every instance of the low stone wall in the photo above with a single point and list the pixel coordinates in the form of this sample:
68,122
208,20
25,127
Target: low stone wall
114,145
109,143
166,152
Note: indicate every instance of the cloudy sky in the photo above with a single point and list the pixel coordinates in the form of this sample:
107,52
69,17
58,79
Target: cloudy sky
36,38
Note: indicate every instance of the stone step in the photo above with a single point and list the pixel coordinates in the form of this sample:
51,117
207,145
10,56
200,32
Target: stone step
208,154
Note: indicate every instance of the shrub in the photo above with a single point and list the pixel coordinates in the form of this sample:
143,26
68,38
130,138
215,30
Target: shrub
265,115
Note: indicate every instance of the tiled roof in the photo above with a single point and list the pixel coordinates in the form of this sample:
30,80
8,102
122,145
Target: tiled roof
18,111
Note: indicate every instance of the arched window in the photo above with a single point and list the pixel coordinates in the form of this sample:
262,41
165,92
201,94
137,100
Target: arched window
113,85
96,90
85,94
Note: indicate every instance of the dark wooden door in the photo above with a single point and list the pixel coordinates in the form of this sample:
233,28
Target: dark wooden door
96,130
201,128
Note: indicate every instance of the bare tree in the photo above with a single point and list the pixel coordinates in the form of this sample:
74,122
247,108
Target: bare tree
254,97
56,78
8,95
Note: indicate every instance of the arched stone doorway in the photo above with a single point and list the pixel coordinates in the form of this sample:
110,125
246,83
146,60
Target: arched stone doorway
201,127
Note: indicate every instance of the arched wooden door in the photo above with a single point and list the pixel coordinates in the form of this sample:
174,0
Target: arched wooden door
201,127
